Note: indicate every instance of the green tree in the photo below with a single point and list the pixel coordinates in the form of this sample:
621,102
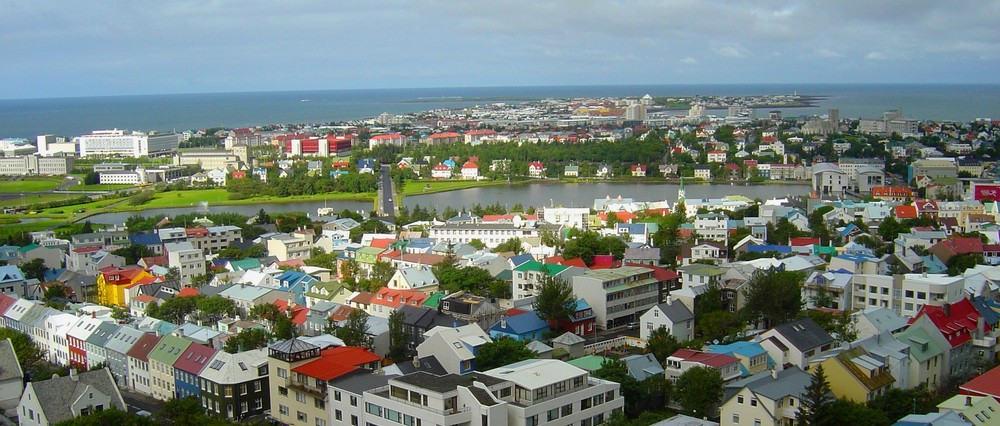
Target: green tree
959,263
587,244
398,341
662,344
846,412
28,353
110,416
699,390
382,272
554,301
501,352
616,371
133,253
121,315
354,331
512,245
266,312
35,268
477,243
247,339
176,309
214,308
896,403
282,328
817,401
773,297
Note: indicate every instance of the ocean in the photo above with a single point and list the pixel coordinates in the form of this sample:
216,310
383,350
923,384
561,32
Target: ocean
27,118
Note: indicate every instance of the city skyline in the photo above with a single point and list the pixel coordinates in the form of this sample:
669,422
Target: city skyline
66,49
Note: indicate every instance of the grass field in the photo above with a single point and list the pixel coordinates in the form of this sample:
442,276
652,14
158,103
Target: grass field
30,185
221,197
98,187
417,187
35,199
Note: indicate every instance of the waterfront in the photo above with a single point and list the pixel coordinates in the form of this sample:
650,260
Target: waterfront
70,117
533,194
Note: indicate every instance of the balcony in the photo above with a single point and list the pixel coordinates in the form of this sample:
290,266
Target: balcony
312,390
383,392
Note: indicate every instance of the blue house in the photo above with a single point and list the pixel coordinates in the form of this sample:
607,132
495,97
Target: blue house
753,358
526,326
150,241
187,370
297,283
764,248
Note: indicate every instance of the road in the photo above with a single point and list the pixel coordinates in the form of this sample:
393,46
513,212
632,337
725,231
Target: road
138,402
387,202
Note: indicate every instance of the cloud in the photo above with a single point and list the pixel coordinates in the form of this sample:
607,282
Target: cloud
826,53
736,52
875,56
687,60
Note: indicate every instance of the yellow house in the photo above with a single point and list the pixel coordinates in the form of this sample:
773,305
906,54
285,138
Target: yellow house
856,375
112,282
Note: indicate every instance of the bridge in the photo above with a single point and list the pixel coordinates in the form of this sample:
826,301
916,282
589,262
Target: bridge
386,204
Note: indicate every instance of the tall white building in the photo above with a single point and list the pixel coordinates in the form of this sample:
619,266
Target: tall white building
527,393
127,143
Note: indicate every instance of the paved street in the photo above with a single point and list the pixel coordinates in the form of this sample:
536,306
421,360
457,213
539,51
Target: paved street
387,203
137,402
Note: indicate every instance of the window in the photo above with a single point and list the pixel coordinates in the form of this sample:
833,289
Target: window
282,373
336,395
302,417
756,422
283,391
354,402
567,410
739,399
338,416
243,389
320,422
244,407
585,404
319,403
531,421
256,386
300,397
753,402
283,410
229,391
736,418
553,414
610,396
258,404
354,420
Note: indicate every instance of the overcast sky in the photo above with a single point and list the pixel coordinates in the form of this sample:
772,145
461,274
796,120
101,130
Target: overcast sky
57,48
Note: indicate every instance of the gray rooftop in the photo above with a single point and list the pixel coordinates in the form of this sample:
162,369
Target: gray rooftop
56,395
804,334
676,311
9,366
359,381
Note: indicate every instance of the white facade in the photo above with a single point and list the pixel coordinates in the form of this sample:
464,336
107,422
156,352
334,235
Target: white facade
187,259
682,327
126,143
569,217
619,295
35,165
906,294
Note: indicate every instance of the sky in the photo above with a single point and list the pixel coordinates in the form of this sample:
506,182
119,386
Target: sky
66,48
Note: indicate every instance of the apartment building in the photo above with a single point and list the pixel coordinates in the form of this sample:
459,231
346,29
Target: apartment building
126,143
187,259
161,366
290,246
906,294
236,385
618,296
29,165
493,234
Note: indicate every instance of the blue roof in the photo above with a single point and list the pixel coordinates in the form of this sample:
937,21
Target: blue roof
982,305
525,323
848,229
521,259
144,239
53,274
763,248
856,258
747,349
11,273
933,264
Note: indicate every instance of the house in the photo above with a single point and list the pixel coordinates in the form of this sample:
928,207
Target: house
604,171
47,402
189,260
856,375
11,379
236,385
875,320
138,362
454,347
526,326
568,344
618,296
470,171
116,350
979,410
642,367
717,156
286,390
161,366
112,282
959,324
638,170
796,343
418,279
581,322
572,171
673,316
308,382
753,358
768,398
702,171
685,359
188,368
536,169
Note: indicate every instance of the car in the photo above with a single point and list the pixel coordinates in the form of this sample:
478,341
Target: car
632,325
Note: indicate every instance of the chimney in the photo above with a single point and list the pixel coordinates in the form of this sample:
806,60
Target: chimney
968,401
503,321
947,309
668,300
774,373
72,375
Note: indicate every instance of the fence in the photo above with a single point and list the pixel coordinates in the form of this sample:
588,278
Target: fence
615,343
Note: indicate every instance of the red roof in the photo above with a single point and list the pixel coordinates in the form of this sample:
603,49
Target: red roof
337,361
382,242
470,165
88,249
196,232
441,166
188,291
958,325
144,298
142,347
294,263
660,273
659,211
445,135
987,384
341,313
641,167
480,132
706,358
387,137
536,165
155,260
622,216
395,298
905,212
422,258
769,139
803,241
6,302
732,167
194,358
962,245
299,313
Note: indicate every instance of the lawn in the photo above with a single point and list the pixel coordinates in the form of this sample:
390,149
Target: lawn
30,185
35,199
221,197
99,187
417,187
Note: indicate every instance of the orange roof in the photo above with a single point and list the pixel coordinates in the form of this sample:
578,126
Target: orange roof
294,263
144,298
622,216
395,298
445,135
337,361
906,212
386,137
382,242
299,313
188,291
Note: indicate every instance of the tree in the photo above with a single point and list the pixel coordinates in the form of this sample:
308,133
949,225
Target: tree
512,245
110,416
56,293
477,243
214,308
398,341
587,244
121,315
354,331
28,353
247,339
35,268
662,344
897,403
382,272
699,390
133,253
267,312
501,352
176,309
817,401
616,371
846,412
88,228
773,297
555,300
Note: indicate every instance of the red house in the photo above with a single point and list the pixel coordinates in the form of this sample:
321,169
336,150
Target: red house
581,322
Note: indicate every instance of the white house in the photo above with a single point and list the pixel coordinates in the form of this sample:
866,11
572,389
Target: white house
470,171
676,318
441,171
796,343
57,399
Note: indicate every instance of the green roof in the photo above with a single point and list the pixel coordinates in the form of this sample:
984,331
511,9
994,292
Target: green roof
369,254
590,362
702,269
922,346
28,248
434,300
331,288
169,348
534,265
824,250
245,264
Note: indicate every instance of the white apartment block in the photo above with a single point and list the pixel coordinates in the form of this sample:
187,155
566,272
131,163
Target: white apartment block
187,259
126,143
712,226
492,234
290,246
906,294
619,295
35,165
528,393
569,217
